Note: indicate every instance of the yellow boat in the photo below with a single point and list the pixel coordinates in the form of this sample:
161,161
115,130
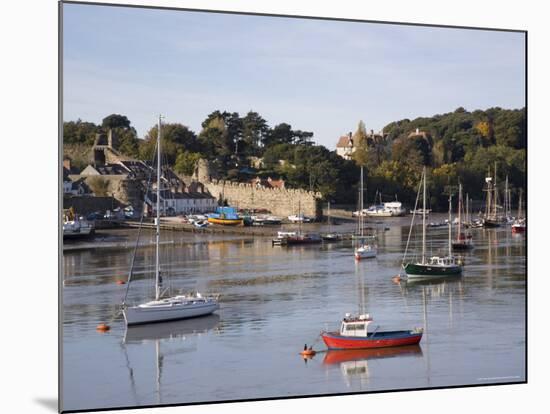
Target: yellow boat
226,221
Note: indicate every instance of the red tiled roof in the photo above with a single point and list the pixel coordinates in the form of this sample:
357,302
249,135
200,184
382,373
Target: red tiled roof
344,141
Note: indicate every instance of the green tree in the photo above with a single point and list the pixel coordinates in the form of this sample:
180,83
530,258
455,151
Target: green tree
115,121
175,138
79,132
186,162
254,131
361,153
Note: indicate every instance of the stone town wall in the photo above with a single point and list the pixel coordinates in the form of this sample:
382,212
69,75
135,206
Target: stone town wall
125,191
84,205
280,202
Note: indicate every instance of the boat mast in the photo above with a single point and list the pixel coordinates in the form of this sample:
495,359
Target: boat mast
424,217
488,180
300,218
459,208
328,218
506,198
496,194
157,267
519,207
450,222
361,206
467,213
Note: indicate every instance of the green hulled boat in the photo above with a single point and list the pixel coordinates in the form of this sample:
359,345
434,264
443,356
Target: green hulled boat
435,266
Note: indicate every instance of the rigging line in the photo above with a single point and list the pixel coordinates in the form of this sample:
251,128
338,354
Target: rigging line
412,220
130,274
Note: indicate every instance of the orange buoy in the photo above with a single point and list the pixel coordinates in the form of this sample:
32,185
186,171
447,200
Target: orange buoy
308,352
120,282
396,279
102,327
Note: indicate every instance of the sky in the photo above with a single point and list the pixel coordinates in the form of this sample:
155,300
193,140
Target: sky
316,75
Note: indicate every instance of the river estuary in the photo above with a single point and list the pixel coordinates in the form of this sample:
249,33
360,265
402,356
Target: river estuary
274,300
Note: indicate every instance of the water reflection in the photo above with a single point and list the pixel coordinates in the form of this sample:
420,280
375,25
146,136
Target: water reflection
354,364
170,330
170,339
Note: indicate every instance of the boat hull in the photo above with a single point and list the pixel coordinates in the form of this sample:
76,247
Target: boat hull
462,246
367,254
334,340
491,224
137,315
417,270
291,241
226,222
518,229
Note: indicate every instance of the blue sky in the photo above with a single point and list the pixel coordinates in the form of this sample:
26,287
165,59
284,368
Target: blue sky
317,75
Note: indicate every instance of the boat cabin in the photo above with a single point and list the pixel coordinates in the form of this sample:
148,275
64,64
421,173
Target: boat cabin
355,325
442,261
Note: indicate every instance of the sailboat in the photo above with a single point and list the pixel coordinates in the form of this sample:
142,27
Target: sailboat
519,225
330,236
492,219
463,240
435,266
364,250
163,309
302,238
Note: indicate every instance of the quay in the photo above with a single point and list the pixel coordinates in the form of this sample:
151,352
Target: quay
173,225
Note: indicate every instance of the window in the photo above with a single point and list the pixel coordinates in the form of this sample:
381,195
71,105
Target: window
355,327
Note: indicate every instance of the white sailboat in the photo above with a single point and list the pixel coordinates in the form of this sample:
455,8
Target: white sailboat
364,250
163,309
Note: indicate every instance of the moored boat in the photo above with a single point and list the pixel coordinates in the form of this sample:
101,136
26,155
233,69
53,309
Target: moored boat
363,250
76,227
463,241
434,267
226,216
354,334
164,308
307,238
519,225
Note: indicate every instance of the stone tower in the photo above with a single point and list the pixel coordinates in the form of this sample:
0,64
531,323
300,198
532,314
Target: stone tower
202,171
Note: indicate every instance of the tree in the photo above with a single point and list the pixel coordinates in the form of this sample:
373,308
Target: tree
175,138
254,131
186,162
279,134
78,132
115,121
360,155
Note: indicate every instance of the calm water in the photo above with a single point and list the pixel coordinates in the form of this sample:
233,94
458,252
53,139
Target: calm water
275,299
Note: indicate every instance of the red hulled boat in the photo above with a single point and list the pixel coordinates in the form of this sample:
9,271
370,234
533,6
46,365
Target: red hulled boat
354,334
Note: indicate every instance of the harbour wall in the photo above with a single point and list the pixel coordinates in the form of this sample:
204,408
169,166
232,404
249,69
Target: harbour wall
280,202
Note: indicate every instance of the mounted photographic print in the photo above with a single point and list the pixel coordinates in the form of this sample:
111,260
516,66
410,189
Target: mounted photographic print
261,206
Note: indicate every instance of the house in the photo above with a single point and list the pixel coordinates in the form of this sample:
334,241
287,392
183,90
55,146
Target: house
418,133
345,147
268,183
172,203
73,187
